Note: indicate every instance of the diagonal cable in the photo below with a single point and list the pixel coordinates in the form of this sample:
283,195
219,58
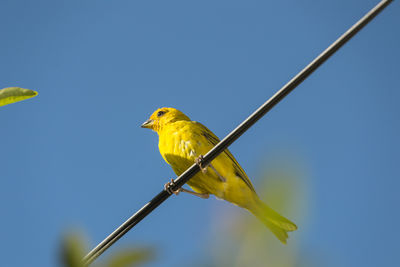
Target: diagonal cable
235,134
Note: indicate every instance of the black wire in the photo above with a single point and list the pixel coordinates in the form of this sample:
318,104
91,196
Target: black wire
235,134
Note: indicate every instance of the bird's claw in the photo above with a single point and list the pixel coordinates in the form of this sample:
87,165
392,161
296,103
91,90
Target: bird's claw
199,162
168,187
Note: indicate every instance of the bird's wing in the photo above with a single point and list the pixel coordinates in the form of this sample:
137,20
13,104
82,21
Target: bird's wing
214,140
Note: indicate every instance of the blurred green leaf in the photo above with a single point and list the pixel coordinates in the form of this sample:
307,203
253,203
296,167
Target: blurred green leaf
73,250
130,257
14,94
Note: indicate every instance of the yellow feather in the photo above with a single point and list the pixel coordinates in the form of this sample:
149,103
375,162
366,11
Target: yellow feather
181,141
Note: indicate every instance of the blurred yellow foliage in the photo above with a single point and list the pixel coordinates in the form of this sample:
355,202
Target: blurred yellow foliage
244,241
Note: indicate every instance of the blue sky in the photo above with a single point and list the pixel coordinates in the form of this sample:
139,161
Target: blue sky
75,155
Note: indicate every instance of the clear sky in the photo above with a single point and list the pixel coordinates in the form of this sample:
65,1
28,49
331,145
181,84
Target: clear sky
75,155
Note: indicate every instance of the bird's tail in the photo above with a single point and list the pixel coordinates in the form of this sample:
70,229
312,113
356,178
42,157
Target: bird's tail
278,224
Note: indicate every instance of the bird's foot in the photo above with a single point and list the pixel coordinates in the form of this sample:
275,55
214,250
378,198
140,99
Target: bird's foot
168,187
202,195
199,162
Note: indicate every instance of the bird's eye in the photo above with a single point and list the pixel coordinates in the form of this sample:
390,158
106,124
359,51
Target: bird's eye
160,113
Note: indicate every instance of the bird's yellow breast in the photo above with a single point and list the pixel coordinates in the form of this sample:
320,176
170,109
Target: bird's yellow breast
181,142
179,145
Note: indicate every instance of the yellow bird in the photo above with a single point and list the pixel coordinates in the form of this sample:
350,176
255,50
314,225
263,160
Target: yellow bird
183,142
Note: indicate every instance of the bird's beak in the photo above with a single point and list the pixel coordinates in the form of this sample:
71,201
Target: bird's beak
147,124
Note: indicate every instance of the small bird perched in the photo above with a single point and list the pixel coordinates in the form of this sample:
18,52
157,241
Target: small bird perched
183,142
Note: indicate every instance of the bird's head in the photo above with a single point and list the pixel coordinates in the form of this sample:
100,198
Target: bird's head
162,117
